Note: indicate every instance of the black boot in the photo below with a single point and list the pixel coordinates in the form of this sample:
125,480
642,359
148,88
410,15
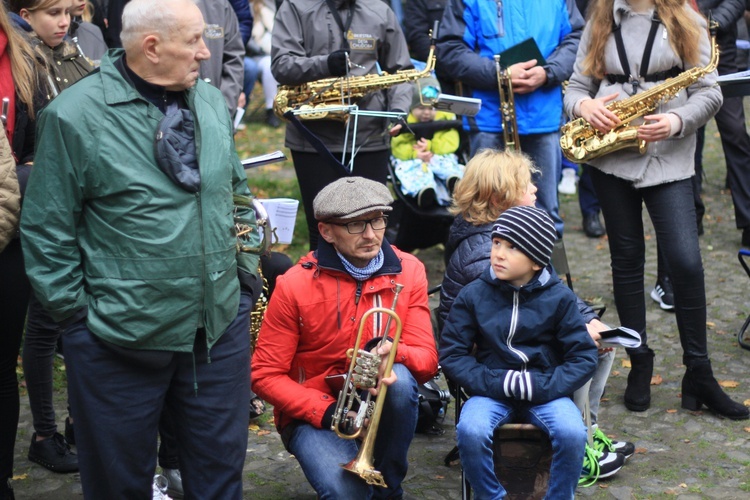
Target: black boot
699,387
638,392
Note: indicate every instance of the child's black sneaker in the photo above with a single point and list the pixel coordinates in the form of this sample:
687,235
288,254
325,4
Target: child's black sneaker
427,198
663,293
599,465
603,443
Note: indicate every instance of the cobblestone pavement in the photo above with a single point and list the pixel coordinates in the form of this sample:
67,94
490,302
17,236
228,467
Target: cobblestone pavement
679,453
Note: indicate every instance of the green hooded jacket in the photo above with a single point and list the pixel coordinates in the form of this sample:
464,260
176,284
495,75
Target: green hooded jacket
104,228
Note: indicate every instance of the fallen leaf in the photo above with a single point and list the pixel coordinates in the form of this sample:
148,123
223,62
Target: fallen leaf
20,477
747,429
731,384
746,402
253,427
641,451
656,380
626,363
603,486
685,440
710,324
647,237
671,410
439,477
683,485
263,433
615,373
670,492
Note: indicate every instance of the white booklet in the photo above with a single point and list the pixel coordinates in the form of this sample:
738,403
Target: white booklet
620,336
466,106
257,161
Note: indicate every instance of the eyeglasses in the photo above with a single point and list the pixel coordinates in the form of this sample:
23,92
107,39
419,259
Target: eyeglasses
359,226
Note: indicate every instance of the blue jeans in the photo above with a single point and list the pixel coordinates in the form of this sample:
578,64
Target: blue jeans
672,211
559,419
544,150
117,396
251,76
320,452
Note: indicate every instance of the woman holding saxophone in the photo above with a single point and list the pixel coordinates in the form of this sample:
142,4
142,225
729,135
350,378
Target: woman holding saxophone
660,50
333,301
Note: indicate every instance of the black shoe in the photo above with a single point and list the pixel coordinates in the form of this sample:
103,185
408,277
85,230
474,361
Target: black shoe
272,120
592,226
427,198
70,435
638,391
699,387
451,183
6,491
53,453
663,294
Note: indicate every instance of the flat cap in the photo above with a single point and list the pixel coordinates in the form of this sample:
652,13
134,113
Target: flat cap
350,197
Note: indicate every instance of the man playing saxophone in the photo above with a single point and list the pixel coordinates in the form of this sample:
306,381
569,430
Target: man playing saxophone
352,39
312,320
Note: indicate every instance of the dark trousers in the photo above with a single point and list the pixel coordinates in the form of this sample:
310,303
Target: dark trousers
587,199
14,296
730,120
117,397
672,213
39,348
313,174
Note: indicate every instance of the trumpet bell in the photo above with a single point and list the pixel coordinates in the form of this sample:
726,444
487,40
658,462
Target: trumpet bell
366,471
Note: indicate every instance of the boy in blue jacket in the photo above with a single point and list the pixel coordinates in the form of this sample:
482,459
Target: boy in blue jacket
532,353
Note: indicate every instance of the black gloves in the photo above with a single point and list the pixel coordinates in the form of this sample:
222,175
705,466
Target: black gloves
337,62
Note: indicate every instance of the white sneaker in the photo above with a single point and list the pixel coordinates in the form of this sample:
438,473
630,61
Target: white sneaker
159,488
568,183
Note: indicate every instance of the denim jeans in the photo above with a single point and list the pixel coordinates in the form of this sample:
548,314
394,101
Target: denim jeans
251,76
544,150
320,452
117,398
39,348
672,212
594,388
559,419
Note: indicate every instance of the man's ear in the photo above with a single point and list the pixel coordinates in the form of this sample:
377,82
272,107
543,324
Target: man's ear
325,231
150,47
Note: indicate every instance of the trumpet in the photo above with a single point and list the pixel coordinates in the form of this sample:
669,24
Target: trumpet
507,107
362,374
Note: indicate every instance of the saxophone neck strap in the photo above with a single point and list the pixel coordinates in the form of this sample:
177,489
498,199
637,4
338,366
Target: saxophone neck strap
627,77
316,143
337,17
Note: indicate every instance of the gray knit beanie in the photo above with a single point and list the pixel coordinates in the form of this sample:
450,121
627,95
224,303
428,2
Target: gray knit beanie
350,197
530,229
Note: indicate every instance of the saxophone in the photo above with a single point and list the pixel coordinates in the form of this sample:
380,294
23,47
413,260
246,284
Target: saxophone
580,142
325,98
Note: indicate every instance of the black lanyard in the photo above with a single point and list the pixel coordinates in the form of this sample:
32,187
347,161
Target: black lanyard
344,27
646,52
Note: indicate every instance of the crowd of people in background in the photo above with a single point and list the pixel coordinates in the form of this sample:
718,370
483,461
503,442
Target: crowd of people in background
119,115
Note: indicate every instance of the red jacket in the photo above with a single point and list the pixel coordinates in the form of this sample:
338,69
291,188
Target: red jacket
313,318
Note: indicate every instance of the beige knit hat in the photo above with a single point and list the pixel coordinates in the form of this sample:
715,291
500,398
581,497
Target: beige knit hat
350,197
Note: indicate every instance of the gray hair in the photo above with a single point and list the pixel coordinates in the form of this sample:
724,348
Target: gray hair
143,17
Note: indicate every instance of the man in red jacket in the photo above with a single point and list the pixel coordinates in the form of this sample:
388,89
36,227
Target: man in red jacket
314,317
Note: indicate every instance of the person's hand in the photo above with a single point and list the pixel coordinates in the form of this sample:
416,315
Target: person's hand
338,62
425,156
241,101
394,130
655,128
383,351
526,77
594,327
596,113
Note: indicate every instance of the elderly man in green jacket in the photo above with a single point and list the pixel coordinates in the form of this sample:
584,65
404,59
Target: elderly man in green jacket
130,243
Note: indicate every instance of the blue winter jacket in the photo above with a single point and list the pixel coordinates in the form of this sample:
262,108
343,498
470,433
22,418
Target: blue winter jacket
531,342
468,250
473,31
